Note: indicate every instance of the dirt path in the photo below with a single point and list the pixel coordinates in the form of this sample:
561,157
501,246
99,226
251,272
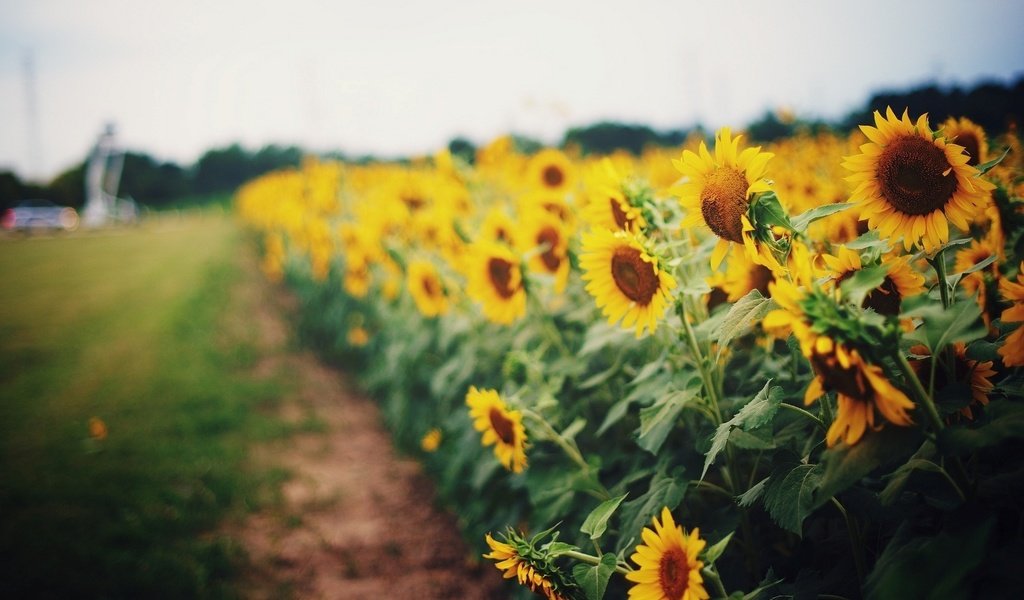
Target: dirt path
357,520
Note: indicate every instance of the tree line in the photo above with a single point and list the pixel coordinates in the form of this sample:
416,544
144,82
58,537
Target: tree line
153,183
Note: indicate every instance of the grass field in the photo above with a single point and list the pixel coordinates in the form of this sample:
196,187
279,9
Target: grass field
141,329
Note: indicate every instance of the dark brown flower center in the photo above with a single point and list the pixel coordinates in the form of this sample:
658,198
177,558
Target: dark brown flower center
431,287
559,210
548,236
972,146
848,382
914,175
885,299
621,219
552,176
760,277
634,277
502,426
723,202
500,271
413,202
673,573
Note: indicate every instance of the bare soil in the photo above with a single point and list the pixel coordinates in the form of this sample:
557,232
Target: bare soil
356,519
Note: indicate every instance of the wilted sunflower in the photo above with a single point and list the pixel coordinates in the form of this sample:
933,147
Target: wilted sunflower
901,280
911,184
501,427
545,238
1012,349
496,282
627,282
970,135
669,569
717,193
862,388
426,288
550,170
525,568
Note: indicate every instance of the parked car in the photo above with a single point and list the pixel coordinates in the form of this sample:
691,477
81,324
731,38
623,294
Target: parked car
40,214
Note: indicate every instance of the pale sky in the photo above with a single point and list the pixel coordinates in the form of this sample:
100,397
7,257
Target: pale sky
403,77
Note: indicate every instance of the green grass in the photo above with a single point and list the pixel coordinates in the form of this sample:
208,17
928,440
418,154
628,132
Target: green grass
144,329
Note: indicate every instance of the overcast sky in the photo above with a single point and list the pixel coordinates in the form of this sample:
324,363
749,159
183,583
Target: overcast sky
398,77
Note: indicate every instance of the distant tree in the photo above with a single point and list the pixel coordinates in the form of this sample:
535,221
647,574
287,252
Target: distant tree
606,137
463,148
10,189
68,188
769,128
150,182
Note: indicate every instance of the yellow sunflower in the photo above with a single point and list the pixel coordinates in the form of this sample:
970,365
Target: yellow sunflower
742,275
911,184
607,206
512,564
550,170
500,426
358,336
496,282
431,440
545,238
669,567
901,280
974,283
970,135
971,372
1012,349
717,193
497,227
426,288
627,282
357,276
862,388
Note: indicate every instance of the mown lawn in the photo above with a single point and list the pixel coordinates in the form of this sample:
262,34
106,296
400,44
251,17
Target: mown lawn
142,329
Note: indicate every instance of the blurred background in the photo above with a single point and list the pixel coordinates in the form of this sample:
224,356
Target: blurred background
205,95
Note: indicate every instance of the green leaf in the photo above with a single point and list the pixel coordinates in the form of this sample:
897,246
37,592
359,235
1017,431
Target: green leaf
867,240
900,476
597,521
1006,422
664,491
856,287
801,221
754,414
985,167
750,496
846,465
658,420
920,567
768,212
593,579
789,496
941,327
741,317
554,549
716,550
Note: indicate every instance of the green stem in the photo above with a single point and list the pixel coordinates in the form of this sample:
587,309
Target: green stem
805,413
711,575
569,449
593,560
855,544
923,397
714,488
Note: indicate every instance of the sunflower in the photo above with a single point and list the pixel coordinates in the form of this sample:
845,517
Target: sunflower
974,283
627,282
497,227
862,388
500,426
717,193
97,428
911,184
971,372
358,336
669,568
431,440
515,565
426,288
550,170
544,237
901,280
970,135
608,206
1012,349
496,282
357,276
741,276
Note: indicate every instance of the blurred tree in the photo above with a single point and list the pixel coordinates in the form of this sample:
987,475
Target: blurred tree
463,148
68,188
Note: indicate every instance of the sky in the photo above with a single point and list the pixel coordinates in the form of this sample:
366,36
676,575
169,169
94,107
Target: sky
392,77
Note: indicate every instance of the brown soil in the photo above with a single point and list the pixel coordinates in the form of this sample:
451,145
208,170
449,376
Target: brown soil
356,519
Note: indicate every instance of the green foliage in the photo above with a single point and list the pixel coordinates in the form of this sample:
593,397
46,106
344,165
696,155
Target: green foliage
597,521
593,579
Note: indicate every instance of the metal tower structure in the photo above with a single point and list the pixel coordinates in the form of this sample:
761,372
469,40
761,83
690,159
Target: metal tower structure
102,178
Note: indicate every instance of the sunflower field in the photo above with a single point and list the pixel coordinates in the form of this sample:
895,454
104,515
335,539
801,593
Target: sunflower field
721,370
